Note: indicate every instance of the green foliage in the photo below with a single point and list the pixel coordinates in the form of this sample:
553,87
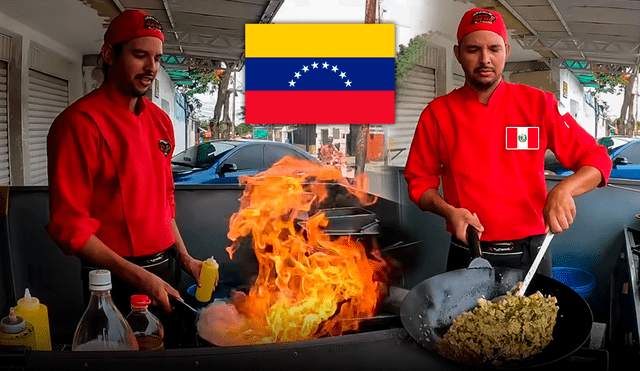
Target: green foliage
243,129
204,81
610,83
408,56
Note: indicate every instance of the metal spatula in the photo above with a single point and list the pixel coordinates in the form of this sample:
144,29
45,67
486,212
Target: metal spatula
536,263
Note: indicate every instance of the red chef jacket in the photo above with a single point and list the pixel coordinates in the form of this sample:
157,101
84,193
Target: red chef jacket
465,142
110,175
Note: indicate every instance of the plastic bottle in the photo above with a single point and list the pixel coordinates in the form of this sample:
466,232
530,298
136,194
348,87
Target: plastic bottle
15,331
102,326
36,314
147,328
209,280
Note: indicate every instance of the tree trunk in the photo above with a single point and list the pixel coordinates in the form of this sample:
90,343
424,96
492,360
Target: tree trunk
223,100
363,130
627,117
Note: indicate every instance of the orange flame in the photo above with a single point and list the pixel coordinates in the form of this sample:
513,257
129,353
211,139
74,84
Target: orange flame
309,284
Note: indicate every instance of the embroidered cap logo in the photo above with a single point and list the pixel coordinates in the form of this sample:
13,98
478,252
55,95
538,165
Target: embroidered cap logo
482,17
152,23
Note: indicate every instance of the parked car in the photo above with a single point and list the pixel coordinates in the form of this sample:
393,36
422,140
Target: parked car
223,161
624,153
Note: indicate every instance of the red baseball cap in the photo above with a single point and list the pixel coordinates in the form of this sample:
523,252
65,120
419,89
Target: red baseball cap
481,19
130,25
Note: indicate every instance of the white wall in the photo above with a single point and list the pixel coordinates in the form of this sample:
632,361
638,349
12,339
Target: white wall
573,101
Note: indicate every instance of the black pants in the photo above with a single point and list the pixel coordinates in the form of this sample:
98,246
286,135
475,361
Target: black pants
518,254
166,265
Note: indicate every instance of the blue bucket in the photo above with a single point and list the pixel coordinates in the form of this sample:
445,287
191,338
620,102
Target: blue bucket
582,282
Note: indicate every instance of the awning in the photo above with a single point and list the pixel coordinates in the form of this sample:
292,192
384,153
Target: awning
579,35
198,33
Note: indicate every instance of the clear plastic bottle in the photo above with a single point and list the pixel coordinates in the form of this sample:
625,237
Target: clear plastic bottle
147,328
102,326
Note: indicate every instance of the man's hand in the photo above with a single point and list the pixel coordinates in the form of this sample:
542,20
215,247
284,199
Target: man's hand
559,211
192,267
158,290
460,219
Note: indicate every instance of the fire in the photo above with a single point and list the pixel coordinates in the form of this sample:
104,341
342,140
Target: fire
309,284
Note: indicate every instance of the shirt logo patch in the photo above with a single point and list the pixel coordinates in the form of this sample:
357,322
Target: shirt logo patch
527,138
165,147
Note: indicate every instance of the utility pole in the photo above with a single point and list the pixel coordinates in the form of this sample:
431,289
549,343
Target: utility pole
362,134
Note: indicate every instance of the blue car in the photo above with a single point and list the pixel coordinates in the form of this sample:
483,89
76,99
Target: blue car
223,161
625,157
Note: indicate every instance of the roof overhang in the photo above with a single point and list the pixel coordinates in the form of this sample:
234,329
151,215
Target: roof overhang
199,34
580,35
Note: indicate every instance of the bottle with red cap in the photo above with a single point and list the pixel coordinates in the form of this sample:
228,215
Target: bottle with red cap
146,327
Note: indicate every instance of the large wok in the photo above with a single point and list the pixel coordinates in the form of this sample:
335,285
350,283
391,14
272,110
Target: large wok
429,308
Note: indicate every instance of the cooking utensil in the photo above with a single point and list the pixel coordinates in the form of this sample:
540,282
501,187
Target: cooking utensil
183,304
428,310
473,240
536,263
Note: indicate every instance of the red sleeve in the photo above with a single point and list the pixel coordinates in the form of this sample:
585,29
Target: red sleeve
424,164
573,146
72,147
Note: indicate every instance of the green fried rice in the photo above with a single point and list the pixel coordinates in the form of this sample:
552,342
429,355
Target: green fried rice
515,329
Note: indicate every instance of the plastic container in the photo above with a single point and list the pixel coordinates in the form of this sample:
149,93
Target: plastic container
102,326
15,331
146,327
582,282
209,280
37,315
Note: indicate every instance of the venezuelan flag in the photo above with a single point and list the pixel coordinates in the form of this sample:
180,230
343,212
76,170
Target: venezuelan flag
319,74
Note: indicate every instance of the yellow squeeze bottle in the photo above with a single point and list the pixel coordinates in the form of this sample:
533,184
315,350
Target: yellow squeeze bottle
15,331
36,314
209,280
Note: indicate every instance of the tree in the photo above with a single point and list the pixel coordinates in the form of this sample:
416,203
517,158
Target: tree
620,84
243,129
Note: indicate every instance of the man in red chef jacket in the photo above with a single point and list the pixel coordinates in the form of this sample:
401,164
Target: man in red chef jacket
487,141
111,190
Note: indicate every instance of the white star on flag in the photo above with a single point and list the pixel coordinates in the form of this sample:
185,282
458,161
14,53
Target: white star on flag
325,65
305,68
348,83
343,75
292,83
334,69
314,65
297,75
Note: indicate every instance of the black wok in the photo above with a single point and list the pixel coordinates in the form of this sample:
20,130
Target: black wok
429,308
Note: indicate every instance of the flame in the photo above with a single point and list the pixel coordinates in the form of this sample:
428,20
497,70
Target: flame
309,284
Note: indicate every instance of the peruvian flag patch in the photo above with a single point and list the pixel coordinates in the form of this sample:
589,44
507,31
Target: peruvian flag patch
523,138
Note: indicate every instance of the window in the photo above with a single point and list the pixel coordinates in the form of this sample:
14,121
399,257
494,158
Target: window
275,153
201,156
632,154
248,157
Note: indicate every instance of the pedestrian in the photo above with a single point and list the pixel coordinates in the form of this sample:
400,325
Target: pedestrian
111,190
487,141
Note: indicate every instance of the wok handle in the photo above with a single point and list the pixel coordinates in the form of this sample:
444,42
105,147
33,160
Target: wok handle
474,241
